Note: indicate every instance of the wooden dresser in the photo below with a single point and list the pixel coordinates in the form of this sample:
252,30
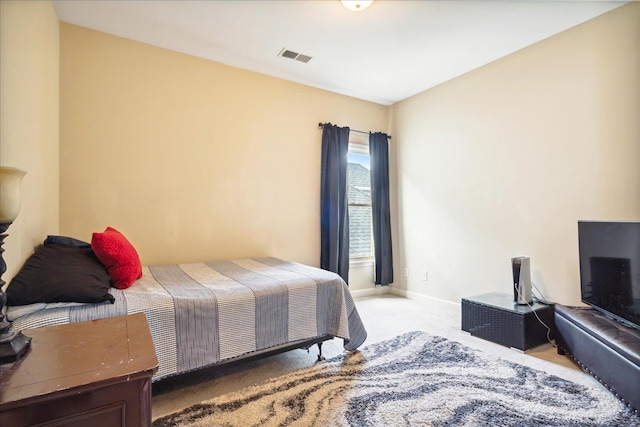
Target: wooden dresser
95,373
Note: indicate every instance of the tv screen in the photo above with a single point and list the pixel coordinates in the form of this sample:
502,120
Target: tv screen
610,268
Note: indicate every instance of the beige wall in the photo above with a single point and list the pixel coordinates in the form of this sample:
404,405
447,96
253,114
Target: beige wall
29,120
505,160
191,159
195,160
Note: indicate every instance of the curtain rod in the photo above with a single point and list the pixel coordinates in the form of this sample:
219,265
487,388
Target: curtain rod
321,125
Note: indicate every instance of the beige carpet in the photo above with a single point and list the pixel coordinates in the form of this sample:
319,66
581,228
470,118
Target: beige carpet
385,317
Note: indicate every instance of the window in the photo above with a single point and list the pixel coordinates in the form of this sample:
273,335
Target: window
359,199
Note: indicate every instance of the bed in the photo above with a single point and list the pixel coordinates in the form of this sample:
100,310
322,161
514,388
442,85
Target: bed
205,314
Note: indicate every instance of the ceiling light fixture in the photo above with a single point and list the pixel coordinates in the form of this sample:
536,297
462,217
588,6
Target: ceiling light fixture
356,5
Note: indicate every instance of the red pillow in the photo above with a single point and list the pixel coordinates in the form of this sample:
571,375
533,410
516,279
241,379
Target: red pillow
118,256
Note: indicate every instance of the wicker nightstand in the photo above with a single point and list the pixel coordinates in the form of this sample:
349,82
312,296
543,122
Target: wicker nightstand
495,317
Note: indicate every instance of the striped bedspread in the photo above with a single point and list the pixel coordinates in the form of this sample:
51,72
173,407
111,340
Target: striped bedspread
203,313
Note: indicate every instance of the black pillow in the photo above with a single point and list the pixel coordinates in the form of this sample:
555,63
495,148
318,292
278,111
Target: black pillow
64,240
60,273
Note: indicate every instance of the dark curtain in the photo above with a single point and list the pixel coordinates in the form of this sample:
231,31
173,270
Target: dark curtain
334,206
379,157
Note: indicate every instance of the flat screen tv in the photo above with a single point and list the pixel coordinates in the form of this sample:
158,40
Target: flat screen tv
610,268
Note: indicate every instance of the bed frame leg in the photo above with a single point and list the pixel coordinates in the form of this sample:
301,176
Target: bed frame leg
320,356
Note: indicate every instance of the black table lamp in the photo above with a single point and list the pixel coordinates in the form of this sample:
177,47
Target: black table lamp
13,345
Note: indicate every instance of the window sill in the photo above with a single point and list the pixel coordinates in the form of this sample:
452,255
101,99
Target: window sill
360,263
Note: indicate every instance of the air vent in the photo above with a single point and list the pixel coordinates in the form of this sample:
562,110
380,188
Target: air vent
289,54
303,58
286,53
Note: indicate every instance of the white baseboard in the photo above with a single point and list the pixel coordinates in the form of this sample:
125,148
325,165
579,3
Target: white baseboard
382,290
371,292
425,298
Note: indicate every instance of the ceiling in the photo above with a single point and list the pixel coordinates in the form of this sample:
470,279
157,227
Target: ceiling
384,54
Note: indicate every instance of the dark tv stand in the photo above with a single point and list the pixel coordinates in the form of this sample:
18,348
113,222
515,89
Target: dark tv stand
603,347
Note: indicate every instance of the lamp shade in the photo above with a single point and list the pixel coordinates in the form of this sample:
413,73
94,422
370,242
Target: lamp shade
10,179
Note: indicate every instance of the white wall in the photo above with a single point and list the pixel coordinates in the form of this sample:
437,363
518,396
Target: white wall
504,161
29,120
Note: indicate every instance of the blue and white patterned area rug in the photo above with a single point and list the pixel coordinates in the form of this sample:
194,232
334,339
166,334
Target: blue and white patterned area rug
413,380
